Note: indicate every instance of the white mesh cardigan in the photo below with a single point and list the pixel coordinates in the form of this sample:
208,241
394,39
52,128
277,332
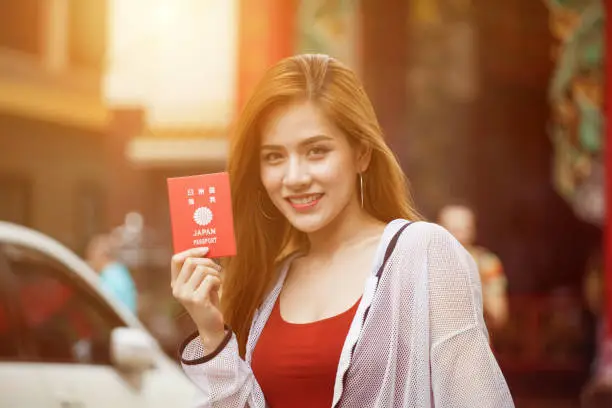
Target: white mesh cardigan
418,338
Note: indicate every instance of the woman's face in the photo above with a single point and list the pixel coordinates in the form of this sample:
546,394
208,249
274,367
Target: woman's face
308,167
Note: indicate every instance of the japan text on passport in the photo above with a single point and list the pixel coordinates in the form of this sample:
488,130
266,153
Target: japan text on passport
201,214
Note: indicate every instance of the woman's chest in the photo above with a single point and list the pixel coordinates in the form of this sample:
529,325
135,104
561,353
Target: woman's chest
299,362
315,291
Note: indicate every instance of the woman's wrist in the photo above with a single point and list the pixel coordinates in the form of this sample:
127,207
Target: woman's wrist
211,341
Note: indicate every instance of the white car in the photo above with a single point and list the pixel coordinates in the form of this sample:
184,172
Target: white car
65,344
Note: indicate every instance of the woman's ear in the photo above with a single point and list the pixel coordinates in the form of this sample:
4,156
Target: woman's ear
363,153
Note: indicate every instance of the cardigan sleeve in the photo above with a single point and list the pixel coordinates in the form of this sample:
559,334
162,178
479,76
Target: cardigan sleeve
464,371
222,377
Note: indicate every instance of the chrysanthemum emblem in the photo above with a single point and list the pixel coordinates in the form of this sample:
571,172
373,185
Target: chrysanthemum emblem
203,216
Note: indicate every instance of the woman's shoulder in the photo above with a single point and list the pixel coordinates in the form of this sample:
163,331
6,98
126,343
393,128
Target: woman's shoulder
423,232
428,251
430,239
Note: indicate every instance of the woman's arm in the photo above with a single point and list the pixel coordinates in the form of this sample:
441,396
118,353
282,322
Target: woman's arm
210,357
464,371
222,377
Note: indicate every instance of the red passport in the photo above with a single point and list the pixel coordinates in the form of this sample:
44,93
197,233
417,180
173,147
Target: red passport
201,214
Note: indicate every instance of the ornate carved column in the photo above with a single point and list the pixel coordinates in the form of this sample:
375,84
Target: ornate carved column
608,171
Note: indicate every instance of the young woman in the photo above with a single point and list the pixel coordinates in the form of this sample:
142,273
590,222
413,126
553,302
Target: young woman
339,296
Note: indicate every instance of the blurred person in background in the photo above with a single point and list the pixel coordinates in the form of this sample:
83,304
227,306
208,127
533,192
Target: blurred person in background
115,278
460,221
339,294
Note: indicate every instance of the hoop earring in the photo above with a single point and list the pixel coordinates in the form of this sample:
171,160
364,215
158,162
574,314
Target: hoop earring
361,188
260,205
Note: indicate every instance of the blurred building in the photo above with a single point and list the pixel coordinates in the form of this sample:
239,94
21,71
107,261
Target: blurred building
52,115
100,103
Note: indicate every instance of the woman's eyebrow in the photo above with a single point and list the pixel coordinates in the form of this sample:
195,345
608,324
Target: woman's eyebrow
305,142
315,139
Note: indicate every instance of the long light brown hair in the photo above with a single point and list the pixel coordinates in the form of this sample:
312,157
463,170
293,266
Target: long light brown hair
263,236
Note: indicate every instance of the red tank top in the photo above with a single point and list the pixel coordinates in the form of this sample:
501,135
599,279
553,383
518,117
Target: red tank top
296,364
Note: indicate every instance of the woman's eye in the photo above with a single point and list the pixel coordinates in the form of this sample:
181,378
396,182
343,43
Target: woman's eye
272,157
317,151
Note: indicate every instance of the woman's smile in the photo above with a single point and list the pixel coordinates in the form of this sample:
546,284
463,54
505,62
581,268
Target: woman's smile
304,202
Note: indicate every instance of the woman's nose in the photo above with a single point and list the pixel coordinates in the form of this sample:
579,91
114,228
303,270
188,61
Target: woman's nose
296,174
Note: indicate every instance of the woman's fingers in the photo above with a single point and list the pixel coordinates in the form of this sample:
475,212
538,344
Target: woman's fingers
208,290
176,264
199,273
190,265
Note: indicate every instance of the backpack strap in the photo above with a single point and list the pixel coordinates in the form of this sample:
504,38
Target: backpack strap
390,248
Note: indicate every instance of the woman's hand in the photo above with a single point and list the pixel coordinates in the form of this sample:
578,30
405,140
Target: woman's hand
195,284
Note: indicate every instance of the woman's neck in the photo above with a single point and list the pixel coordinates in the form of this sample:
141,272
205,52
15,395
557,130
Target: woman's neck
351,226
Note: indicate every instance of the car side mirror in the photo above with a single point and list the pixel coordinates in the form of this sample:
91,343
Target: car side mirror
132,349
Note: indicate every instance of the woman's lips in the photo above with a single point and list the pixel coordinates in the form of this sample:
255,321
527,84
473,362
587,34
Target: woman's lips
304,202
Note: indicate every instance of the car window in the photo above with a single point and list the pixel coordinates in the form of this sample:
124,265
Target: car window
9,342
65,320
9,346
